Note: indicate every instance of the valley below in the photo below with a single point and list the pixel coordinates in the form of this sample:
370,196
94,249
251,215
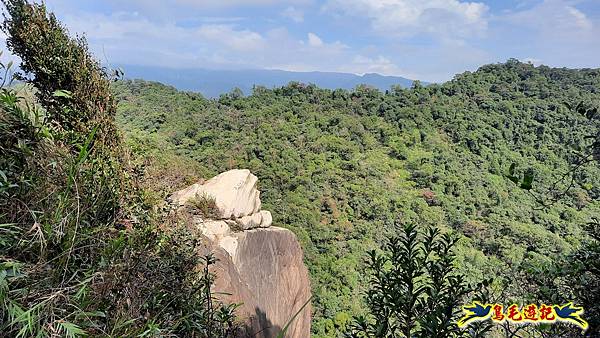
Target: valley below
339,168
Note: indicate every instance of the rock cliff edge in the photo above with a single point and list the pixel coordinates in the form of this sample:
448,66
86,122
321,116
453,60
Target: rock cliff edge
259,265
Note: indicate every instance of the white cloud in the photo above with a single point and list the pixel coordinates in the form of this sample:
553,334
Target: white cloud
238,40
171,10
426,39
580,19
553,18
362,64
314,40
405,18
123,38
553,30
294,14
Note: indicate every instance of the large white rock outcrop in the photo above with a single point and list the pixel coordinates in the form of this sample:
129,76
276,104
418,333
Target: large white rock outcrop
234,191
259,265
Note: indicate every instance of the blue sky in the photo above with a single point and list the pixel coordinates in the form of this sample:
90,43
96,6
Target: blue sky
429,40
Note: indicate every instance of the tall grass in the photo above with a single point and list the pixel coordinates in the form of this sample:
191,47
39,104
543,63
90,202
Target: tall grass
80,253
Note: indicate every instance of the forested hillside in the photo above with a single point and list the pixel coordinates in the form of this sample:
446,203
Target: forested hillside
488,155
407,203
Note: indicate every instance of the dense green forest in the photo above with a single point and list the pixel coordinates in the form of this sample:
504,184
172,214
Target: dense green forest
485,187
500,157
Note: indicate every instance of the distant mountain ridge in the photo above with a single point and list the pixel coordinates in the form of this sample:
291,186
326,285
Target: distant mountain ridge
212,83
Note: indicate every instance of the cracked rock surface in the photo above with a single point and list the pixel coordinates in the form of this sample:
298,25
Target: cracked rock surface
259,265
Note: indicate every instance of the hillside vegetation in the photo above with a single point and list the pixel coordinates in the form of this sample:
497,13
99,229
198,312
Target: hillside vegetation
488,156
407,202
81,255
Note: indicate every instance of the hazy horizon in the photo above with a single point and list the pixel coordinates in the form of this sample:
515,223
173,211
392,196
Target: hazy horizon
429,40
213,83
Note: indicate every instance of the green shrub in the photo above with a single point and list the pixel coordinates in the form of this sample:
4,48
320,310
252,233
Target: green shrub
81,254
415,289
205,205
55,64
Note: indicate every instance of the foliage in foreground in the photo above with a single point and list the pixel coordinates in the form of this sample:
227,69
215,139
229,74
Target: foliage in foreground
80,254
583,271
78,242
414,290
